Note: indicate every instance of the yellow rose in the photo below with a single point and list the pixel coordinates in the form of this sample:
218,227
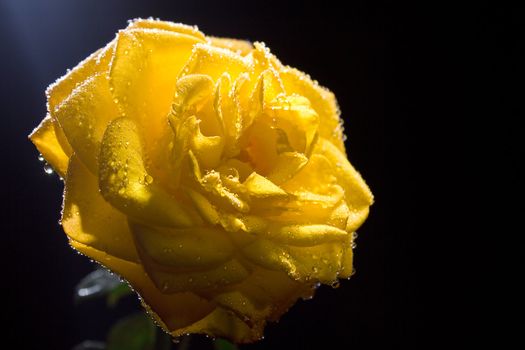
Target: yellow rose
206,173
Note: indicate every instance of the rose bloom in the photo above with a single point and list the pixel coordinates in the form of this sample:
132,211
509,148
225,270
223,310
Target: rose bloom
206,173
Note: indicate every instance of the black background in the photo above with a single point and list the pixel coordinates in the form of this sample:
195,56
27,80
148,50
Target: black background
400,73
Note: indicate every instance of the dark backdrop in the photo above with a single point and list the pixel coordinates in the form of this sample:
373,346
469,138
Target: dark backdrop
386,64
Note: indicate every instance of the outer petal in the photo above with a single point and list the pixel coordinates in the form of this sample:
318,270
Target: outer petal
223,323
126,184
264,295
295,116
178,280
214,61
95,63
196,248
143,75
347,266
317,263
240,47
88,219
174,312
45,140
306,235
168,26
84,116
322,100
357,194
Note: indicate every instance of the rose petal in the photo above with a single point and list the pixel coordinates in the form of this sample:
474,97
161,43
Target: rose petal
180,280
317,263
347,263
125,183
190,94
316,176
203,205
45,140
286,166
89,219
96,63
294,115
228,112
305,235
262,147
261,187
261,59
225,324
240,47
169,26
323,102
212,183
143,75
357,194
264,295
193,248
214,61
84,116
174,312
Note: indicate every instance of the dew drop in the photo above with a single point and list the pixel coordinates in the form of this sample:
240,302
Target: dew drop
40,158
48,169
335,284
148,179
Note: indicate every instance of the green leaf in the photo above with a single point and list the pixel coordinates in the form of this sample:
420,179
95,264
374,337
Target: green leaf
120,291
223,344
96,284
135,332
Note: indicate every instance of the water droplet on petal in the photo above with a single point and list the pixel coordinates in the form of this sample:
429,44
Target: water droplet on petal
40,158
335,284
148,179
48,169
